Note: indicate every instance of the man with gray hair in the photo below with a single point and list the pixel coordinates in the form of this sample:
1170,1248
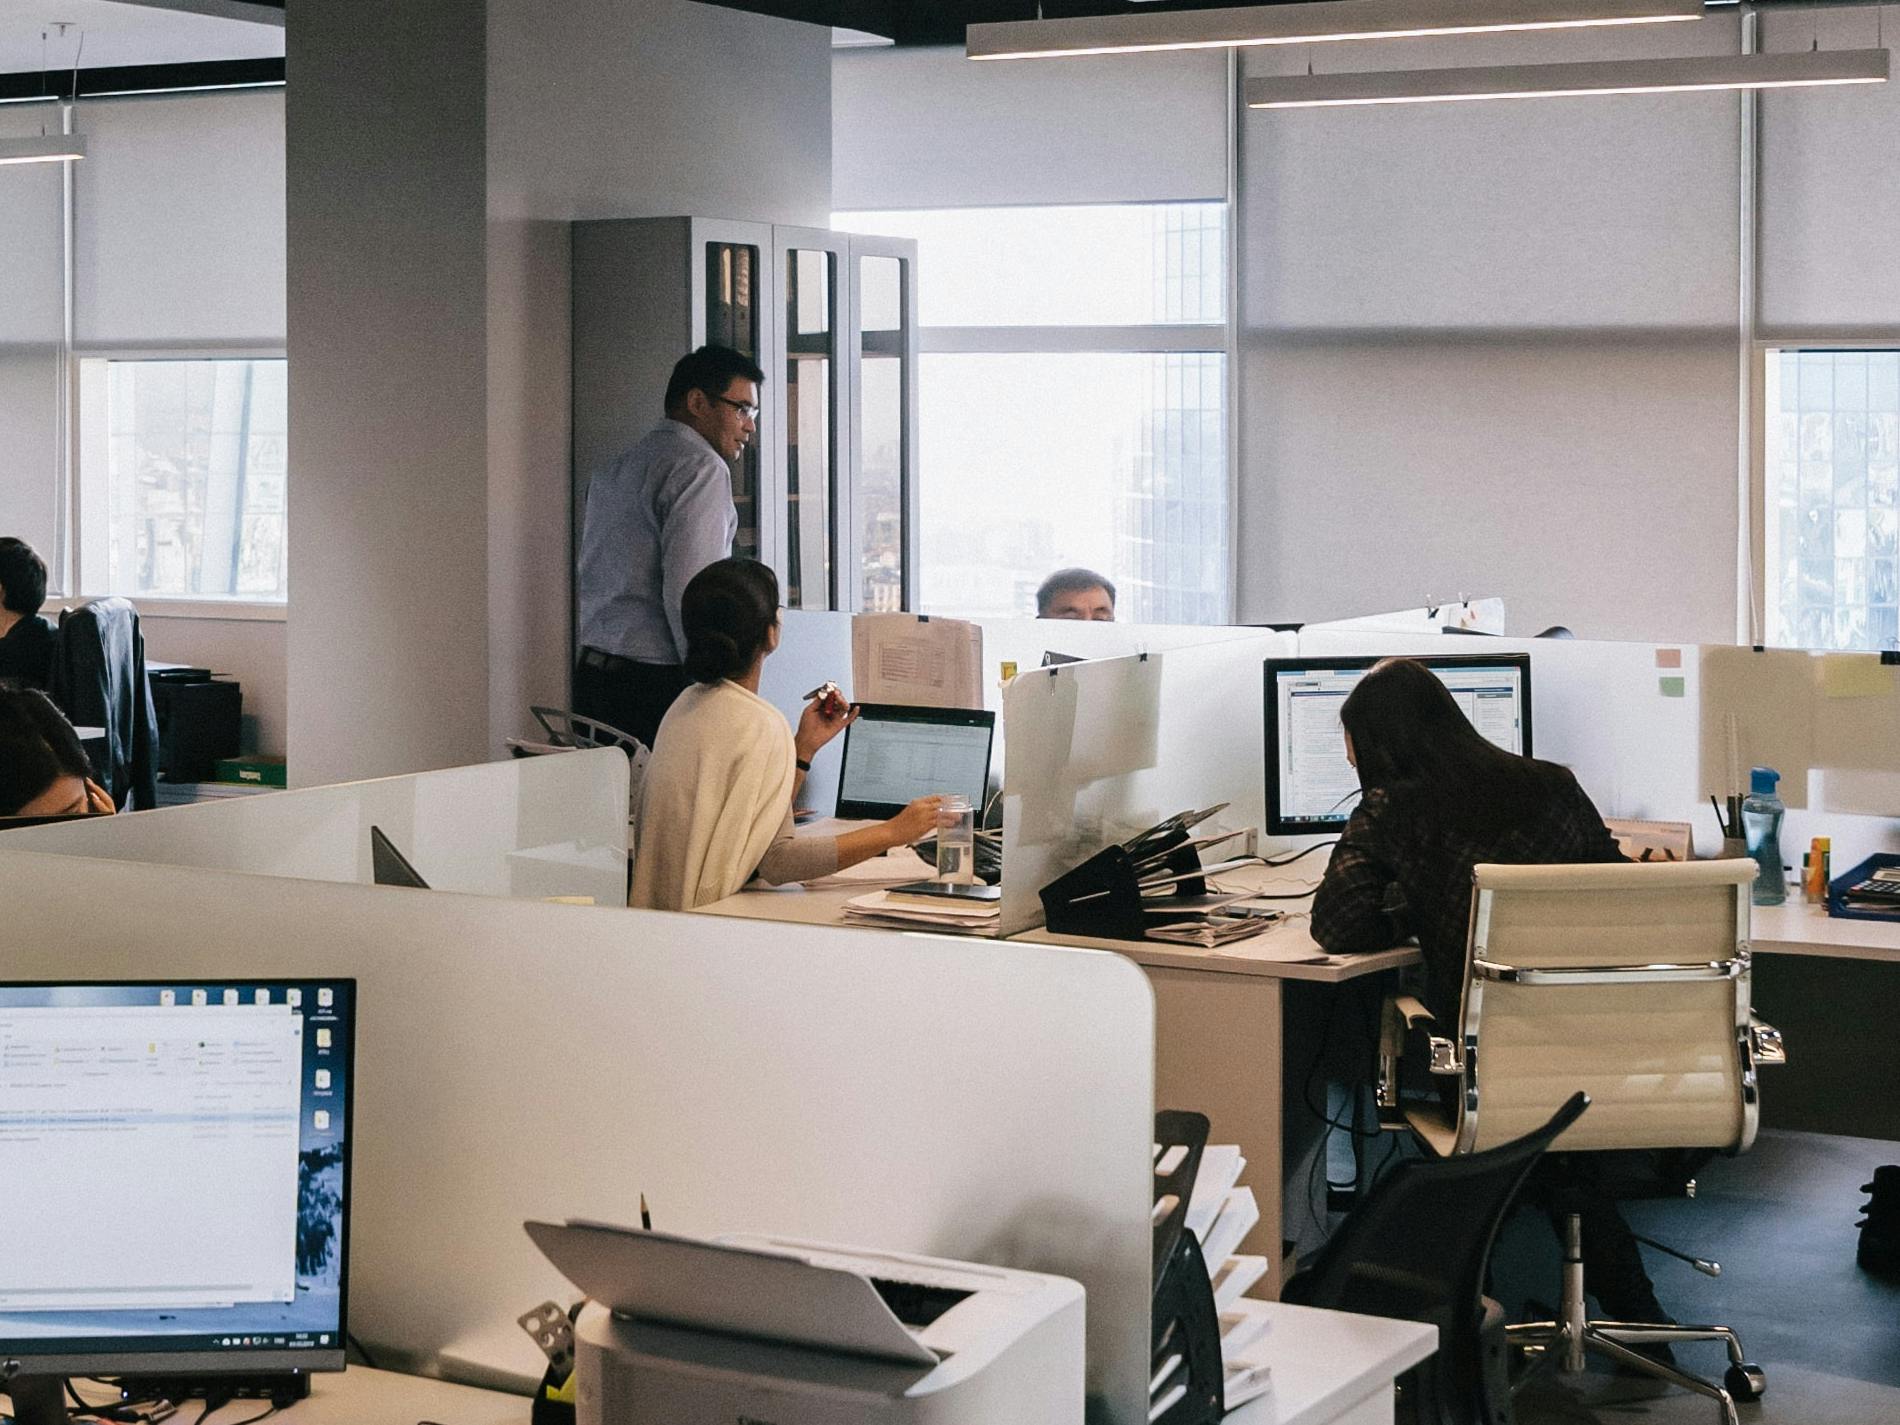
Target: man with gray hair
1079,594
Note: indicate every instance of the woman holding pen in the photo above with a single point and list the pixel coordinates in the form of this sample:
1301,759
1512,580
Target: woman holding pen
716,804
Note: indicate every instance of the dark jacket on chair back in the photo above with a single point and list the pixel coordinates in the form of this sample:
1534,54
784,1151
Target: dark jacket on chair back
99,681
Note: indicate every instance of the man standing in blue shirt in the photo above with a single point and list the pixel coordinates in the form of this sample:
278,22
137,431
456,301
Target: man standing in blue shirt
656,516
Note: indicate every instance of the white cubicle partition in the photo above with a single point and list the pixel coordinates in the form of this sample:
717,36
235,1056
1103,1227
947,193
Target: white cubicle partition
531,827
815,647
953,1097
1622,716
1099,750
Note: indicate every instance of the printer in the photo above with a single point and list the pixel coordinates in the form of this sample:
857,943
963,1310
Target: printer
754,1330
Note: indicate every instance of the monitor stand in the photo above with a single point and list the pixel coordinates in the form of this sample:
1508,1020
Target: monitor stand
38,1400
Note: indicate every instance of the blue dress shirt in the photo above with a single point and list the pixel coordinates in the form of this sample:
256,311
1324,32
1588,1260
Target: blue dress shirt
656,516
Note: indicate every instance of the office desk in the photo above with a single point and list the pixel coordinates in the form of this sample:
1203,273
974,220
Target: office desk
1329,1368
361,1396
1832,986
1221,1032
1220,1020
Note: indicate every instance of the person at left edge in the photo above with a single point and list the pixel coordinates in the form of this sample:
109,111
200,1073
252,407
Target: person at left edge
654,517
27,641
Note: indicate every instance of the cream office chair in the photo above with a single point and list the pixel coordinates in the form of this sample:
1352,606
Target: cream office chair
1631,983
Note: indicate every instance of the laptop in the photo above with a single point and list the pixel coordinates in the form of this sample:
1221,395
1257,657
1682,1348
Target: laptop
894,755
390,866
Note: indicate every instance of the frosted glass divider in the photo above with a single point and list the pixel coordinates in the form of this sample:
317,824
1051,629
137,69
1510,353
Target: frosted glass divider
529,827
1622,716
956,1097
1099,750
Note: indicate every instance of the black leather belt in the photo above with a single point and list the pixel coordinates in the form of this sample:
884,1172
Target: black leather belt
606,662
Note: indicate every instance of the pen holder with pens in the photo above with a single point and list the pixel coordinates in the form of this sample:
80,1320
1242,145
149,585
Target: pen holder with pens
1103,896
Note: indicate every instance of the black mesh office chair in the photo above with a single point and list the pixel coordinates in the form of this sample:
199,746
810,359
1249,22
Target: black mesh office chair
1417,1249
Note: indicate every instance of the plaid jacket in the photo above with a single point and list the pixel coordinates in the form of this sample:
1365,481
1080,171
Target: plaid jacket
1392,878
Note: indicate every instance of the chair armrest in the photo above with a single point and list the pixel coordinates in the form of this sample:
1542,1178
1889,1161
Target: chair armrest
1764,1042
1399,1017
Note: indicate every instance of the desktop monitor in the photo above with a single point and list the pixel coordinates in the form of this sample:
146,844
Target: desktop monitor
894,755
388,866
177,1173
1311,787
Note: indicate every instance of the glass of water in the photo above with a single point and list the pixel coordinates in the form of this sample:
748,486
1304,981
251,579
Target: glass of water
956,842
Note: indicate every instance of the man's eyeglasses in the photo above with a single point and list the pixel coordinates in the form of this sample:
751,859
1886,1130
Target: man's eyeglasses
751,413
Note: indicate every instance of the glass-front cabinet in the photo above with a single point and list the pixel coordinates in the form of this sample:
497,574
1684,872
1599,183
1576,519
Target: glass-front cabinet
826,491
884,470
731,317
810,398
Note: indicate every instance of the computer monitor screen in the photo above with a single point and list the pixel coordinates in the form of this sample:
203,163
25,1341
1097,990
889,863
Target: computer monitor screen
176,1170
1311,787
894,755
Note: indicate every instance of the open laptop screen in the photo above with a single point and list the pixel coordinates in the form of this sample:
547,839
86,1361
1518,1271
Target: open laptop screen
893,755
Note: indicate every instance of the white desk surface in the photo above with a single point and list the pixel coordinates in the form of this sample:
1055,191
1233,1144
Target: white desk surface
1265,954
361,1396
1326,1363
1797,929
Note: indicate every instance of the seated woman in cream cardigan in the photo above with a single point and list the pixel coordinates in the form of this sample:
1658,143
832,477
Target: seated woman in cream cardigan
716,805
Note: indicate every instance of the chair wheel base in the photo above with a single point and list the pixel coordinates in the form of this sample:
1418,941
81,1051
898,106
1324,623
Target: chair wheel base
1746,1381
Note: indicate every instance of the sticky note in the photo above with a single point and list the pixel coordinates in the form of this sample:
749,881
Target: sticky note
1668,657
1855,675
1670,687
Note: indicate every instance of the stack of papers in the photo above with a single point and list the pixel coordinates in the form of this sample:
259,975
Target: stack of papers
921,912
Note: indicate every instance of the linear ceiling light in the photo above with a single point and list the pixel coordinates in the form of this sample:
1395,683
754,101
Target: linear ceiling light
55,148
1538,81
1311,23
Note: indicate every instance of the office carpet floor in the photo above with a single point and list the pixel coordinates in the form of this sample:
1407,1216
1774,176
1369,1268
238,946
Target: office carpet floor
1780,1220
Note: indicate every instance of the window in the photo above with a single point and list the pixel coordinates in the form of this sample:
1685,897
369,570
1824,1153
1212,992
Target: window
1831,475
183,478
1073,405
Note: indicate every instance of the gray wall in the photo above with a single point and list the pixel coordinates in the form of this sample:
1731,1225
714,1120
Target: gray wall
1505,337
178,245
1484,348
665,108
386,188
926,128
429,326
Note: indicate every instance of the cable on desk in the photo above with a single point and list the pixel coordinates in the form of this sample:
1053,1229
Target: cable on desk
253,1419
1289,860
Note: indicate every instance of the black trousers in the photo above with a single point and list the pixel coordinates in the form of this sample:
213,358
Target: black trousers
630,696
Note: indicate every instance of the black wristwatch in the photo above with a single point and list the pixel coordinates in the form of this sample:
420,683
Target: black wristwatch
803,765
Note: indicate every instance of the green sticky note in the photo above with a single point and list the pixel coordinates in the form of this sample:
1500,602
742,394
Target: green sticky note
1671,687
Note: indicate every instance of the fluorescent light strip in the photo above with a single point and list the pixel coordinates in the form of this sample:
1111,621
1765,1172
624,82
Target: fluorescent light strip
1805,69
54,148
1300,24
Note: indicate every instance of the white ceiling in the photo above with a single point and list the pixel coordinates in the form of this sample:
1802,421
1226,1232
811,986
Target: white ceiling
120,34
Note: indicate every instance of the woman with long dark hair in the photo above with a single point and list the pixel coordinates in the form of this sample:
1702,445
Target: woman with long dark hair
716,804
1438,798
44,770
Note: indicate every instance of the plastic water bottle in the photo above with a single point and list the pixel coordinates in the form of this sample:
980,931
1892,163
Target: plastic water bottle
1761,825
956,842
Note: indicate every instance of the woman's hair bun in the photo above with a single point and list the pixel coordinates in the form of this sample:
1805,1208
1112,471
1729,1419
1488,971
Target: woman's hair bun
727,612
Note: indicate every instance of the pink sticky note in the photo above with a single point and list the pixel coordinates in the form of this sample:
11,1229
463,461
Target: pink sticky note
1668,657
